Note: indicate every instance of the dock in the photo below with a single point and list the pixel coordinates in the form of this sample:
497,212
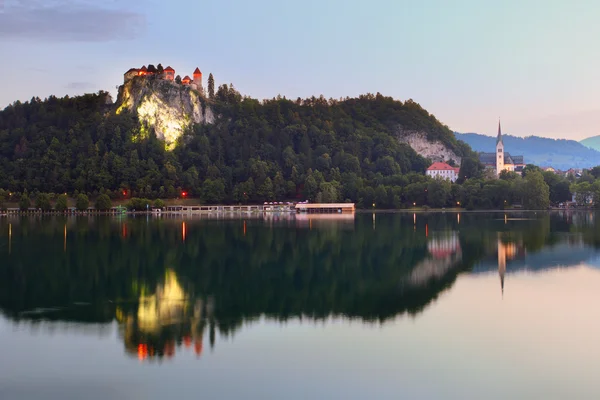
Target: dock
325,208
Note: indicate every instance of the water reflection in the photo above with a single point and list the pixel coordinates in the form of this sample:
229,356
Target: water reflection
169,283
165,320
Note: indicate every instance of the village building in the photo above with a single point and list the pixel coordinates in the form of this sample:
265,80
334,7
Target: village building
441,170
500,160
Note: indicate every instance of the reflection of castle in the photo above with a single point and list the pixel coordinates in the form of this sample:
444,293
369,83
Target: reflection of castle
164,321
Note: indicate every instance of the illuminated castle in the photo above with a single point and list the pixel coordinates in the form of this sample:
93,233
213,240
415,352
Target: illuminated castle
166,74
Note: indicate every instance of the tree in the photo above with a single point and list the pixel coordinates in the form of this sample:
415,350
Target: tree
469,168
329,192
537,192
61,203
530,168
160,69
211,86
178,79
103,203
24,202
82,202
438,192
2,200
151,68
42,202
158,203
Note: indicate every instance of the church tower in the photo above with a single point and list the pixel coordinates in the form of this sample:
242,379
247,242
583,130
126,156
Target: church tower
499,151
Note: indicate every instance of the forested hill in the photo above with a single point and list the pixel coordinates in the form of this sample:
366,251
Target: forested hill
558,153
254,151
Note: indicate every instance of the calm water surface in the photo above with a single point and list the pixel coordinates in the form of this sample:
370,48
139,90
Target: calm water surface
384,306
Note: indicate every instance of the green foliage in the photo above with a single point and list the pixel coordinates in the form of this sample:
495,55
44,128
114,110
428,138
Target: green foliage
158,203
274,150
139,204
537,192
103,202
42,202
211,86
3,196
24,202
82,202
61,203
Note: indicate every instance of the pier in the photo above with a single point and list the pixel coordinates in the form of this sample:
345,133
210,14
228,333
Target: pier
325,208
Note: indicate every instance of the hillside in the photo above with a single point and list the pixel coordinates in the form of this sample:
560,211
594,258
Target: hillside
227,148
558,153
592,142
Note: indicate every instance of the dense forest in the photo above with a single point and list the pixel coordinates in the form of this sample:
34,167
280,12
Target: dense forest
273,150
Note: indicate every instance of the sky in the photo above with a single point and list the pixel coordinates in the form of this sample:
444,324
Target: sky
532,63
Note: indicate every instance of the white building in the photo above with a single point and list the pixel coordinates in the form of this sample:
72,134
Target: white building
441,170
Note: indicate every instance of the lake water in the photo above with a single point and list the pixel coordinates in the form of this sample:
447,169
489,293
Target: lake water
371,306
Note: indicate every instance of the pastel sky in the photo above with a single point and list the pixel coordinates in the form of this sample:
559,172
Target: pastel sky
534,63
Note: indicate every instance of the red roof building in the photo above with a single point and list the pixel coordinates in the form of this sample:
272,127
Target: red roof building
186,80
441,170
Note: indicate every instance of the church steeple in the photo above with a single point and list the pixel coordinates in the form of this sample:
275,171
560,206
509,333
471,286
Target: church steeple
499,137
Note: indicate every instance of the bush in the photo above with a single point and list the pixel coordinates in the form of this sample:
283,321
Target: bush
42,201
138,204
24,202
82,202
103,203
61,203
158,203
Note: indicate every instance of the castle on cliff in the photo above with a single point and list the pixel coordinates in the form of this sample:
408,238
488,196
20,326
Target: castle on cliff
166,74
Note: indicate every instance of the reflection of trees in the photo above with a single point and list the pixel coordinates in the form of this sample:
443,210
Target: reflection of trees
281,270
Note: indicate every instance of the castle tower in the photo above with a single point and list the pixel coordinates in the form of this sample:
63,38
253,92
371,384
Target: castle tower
197,82
499,152
169,73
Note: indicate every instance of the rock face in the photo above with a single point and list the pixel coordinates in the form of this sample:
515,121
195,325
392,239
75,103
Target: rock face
433,150
168,107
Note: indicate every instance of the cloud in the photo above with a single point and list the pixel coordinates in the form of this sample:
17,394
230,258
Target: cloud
68,21
79,85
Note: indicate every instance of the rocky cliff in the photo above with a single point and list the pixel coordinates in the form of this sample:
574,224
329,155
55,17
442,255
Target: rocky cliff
168,107
434,150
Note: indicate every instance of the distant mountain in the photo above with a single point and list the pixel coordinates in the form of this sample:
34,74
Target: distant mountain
557,153
592,142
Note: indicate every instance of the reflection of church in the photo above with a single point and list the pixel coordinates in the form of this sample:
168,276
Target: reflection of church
166,320
507,251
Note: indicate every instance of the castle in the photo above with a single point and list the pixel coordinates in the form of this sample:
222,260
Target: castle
166,74
501,160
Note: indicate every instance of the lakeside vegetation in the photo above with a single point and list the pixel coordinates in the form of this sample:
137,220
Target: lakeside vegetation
274,150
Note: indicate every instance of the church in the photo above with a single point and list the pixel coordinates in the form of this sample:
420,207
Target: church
501,160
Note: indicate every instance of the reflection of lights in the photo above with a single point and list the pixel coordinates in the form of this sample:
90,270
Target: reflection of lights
414,218
65,245
505,218
9,237
198,347
183,231
458,218
124,230
187,341
244,228
142,351
426,230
